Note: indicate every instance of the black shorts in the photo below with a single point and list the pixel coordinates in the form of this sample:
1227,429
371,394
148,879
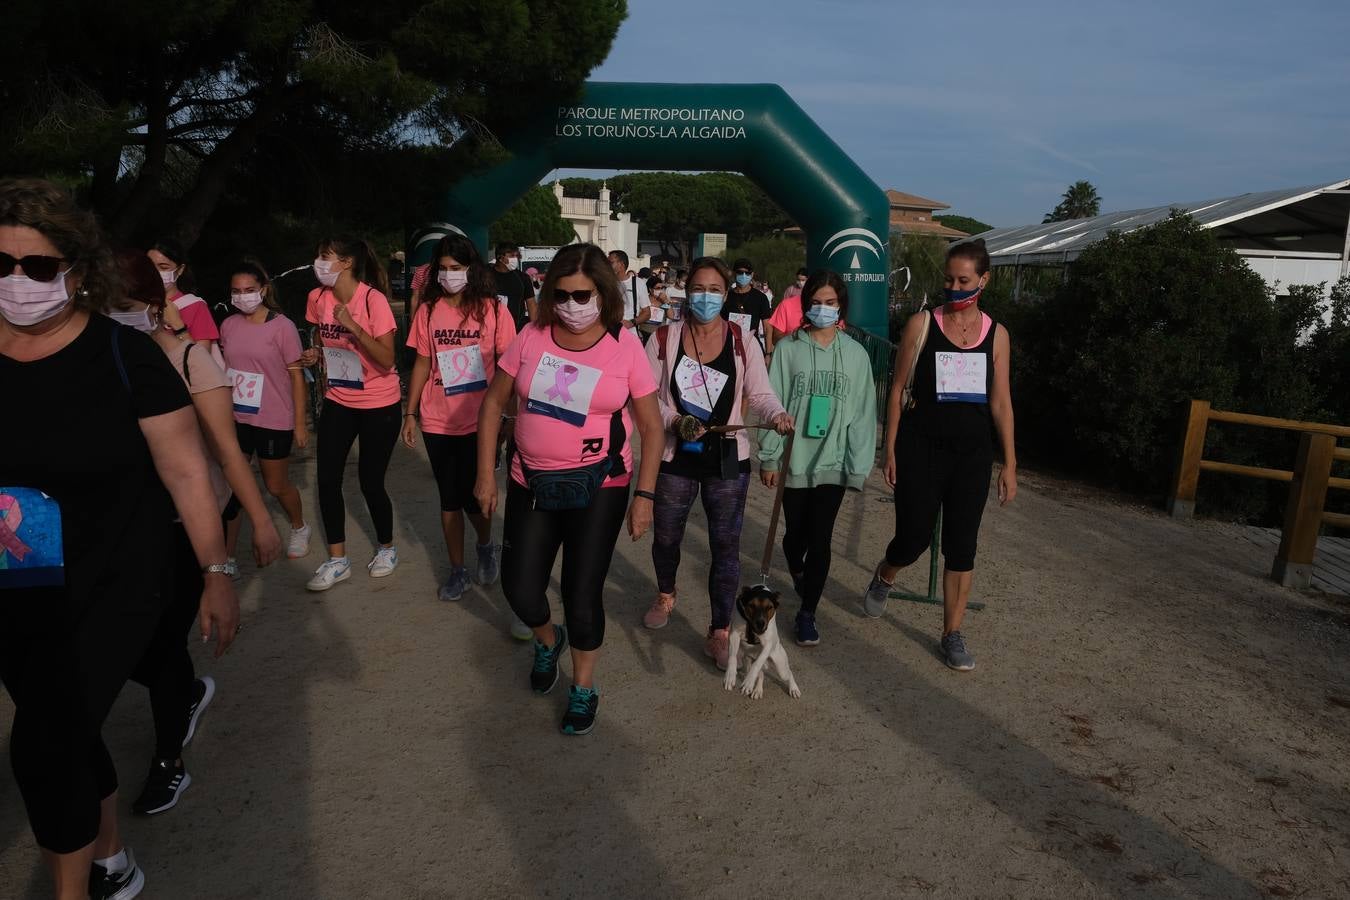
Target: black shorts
454,462
268,443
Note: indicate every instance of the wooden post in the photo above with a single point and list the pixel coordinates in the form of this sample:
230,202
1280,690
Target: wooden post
1181,505
1303,511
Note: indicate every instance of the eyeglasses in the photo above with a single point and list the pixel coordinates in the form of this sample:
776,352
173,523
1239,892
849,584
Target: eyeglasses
38,268
561,296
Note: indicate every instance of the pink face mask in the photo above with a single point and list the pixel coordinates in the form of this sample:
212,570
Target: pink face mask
577,317
167,276
323,270
24,301
452,282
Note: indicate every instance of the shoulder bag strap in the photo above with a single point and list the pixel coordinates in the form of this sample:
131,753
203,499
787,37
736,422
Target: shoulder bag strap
187,373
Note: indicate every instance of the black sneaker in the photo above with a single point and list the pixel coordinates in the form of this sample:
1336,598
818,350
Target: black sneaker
581,706
544,675
203,689
123,885
807,633
163,786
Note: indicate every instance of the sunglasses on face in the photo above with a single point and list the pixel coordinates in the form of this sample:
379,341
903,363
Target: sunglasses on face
38,268
744,272
561,296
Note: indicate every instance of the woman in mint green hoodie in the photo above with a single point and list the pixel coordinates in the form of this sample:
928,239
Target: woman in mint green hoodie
824,379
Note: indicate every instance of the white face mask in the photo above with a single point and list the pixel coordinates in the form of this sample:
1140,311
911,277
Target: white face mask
140,319
167,276
452,282
512,263
247,303
323,270
24,301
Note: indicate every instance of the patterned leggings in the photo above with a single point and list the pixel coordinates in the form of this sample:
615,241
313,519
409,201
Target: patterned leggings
724,505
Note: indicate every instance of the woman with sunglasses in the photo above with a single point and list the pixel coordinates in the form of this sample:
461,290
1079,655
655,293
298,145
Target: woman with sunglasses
459,331
709,372
82,522
576,374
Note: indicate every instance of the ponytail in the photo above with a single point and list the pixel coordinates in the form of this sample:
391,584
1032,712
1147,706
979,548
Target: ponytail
366,265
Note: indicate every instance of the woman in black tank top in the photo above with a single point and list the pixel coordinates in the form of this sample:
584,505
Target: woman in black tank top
939,452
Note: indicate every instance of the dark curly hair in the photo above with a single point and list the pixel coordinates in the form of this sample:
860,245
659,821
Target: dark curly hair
52,211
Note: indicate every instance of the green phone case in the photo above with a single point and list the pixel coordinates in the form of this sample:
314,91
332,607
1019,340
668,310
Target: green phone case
818,415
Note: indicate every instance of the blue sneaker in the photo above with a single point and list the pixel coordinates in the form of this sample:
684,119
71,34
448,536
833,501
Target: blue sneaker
955,654
455,585
807,635
878,590
581,706
489,566
544,675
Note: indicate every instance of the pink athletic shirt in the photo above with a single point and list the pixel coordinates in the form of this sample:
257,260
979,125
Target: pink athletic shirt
197,317
256,357
463,355
567,398
377,387
788,316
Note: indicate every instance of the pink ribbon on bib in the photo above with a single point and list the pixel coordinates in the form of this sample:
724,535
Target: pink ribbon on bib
462,368
699,379
563,379
9,527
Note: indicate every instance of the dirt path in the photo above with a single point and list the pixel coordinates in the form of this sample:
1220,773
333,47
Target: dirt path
1150,717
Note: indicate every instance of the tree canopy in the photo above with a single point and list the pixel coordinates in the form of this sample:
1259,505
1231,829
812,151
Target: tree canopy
963,223
535,219
1080,201
158,109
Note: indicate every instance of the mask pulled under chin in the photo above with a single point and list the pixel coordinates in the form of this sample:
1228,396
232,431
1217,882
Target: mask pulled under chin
24,301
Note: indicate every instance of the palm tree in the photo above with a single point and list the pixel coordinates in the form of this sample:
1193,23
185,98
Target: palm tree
1080,201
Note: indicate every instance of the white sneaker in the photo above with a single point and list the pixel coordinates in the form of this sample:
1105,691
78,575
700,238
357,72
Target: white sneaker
520,631
298,546
384,563
329,574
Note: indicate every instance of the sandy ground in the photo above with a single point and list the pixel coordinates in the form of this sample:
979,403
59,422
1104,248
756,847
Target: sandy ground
1151,717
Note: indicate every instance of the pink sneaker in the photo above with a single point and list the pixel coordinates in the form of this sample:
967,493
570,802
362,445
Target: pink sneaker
659,614
717,646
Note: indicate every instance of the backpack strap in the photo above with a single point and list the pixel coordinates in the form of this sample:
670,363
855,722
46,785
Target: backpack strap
187,373
662,333
739,341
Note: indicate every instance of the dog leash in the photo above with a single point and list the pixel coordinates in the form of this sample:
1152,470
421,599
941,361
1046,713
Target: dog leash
777,508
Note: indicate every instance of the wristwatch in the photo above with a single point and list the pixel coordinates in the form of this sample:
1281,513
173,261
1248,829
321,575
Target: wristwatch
220,569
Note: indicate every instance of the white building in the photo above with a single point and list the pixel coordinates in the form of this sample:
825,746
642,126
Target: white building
595,223
1293,236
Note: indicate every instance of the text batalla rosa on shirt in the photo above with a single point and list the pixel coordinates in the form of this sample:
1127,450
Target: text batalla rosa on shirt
672,122
456,335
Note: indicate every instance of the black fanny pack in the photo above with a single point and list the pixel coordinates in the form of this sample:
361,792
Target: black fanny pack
568,488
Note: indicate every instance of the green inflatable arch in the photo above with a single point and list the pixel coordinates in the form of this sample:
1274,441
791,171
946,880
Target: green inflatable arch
755,129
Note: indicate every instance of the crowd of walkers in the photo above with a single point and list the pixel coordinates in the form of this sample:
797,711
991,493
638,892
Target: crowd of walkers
111,551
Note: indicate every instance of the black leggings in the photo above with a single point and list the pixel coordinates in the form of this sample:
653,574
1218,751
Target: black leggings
63,673
339,427
951,474
166,668
809,514
530,543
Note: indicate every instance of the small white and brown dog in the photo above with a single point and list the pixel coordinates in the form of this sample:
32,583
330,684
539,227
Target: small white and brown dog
754,632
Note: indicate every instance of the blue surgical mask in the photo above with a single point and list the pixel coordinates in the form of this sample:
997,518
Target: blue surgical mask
706,306
822,316
742,280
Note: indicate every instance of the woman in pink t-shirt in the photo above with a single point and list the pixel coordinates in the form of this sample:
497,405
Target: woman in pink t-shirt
356,346
459,332
576,374
191,311
262,357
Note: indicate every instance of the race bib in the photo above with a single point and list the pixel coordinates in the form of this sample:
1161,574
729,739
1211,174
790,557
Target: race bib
343,368
961,377
699,387
742,319
248,390
658,315
462,369
562,389
31,549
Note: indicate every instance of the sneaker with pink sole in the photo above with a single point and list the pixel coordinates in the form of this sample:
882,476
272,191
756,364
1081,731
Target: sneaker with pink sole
659,614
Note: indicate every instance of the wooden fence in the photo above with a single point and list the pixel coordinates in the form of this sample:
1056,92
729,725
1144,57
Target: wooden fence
1311,478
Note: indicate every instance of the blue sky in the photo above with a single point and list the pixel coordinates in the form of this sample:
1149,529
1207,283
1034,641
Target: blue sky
995,108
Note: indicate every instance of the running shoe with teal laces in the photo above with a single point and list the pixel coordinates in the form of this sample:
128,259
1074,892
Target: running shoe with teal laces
582,704
544,675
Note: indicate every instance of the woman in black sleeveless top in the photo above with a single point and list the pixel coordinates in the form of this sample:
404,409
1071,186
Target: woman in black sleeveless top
942,456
